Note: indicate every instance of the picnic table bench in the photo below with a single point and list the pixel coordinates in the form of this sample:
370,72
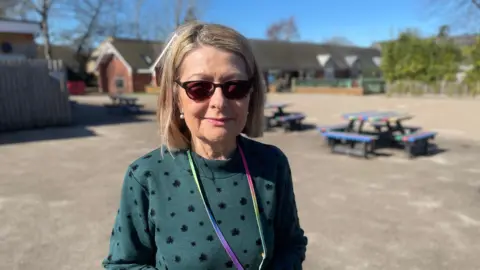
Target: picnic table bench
349,142
388,129
291,122
125,104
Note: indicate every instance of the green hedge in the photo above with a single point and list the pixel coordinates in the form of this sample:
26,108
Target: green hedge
428,60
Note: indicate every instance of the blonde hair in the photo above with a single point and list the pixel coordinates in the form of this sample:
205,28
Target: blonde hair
172,130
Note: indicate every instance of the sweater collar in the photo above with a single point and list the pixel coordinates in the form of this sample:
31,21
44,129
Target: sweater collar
213,168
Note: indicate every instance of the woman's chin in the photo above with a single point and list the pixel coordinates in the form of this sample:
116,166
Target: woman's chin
219,135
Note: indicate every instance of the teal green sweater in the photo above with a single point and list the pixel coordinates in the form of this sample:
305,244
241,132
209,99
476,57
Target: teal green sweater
162,223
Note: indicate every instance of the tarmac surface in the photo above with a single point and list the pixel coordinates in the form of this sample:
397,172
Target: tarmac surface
59,187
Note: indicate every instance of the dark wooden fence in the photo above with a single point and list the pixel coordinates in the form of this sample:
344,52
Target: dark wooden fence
33,94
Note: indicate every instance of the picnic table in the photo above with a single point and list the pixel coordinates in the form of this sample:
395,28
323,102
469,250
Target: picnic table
277,106
280,118
388,130
125,103
385,123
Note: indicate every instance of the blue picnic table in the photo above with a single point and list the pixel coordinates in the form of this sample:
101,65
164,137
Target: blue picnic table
126,104
389,131
278,107
280,118
384,122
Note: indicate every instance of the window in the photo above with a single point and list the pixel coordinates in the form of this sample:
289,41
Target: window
119,83
329,69
329,73
310,74
147,59
6,47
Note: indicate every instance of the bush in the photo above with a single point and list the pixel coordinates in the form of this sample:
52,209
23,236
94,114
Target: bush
411,57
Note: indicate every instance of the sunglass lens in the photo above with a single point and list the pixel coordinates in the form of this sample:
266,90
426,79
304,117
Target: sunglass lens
237,89
199,90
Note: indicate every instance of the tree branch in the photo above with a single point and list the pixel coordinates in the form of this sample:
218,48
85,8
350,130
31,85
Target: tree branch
476,3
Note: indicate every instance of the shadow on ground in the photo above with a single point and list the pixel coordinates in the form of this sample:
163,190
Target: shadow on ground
387,150
95,115
84,116
305,127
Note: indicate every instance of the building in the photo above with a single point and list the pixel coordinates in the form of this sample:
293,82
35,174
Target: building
128,65
125,65
17,39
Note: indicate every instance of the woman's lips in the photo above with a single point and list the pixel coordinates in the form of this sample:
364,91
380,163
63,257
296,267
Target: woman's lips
218,121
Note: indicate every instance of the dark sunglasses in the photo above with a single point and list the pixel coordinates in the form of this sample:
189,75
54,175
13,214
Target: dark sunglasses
202,90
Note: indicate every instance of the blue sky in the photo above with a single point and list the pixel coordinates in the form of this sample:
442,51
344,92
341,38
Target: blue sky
361,21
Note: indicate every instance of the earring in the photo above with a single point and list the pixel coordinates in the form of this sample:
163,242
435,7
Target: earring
182,116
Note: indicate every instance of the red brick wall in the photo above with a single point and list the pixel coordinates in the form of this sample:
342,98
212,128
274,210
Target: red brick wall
157,75
110,71
102,77
140,80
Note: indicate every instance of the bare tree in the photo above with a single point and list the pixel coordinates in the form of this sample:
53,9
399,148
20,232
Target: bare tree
443,31
87,13
180,12
138,8
180,8
44,10
115,19
283,30
89,30
459,15
190,14
339,40
7,6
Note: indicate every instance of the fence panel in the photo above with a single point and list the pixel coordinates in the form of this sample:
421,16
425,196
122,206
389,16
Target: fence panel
33,94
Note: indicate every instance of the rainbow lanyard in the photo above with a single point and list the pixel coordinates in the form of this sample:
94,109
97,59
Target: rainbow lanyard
224,242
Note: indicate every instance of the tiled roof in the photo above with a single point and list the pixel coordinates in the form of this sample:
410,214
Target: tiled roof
139,54
270,54
302,55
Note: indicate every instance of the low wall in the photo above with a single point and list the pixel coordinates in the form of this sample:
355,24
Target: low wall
152,89
354,91
272,88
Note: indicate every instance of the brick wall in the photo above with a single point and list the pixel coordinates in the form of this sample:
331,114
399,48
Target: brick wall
115,69
140,81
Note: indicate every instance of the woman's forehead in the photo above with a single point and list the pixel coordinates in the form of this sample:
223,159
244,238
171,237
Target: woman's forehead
207,61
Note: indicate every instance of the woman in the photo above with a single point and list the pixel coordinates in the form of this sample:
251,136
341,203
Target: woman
209,198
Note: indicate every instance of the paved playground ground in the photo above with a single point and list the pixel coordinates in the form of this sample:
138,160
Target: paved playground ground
59,188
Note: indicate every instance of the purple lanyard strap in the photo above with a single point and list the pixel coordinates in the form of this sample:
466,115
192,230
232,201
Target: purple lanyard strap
224,242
